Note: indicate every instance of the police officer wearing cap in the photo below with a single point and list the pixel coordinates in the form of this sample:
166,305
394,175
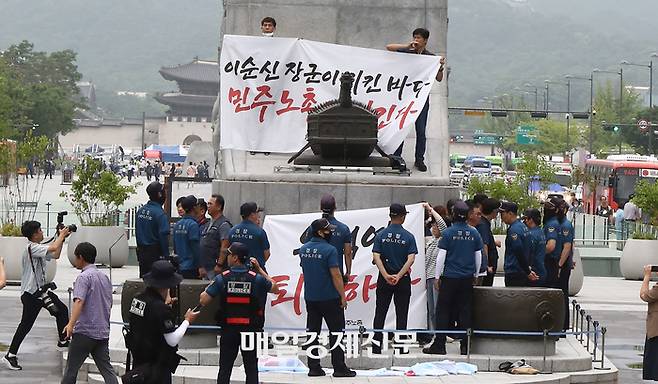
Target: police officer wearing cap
341,236
393,251
457,265
153,337
243,294
537,243
553,243
249,233
187,236
152,229
324,295
565,263
517,248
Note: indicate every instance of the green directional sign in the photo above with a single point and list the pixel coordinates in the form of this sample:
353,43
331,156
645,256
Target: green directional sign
525,134
484,139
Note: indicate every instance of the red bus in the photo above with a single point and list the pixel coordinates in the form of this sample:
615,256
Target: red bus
616,178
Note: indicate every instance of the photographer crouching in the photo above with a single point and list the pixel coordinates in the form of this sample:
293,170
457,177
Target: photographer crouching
36,293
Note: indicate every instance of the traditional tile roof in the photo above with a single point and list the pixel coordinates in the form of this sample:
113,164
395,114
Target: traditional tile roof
198,71
181,99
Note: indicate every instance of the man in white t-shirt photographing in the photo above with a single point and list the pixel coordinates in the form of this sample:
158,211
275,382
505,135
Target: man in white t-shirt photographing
36,292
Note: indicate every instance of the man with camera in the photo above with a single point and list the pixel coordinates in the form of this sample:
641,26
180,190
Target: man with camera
36,293
89,325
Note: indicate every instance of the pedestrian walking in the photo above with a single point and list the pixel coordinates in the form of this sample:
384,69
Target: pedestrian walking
89,325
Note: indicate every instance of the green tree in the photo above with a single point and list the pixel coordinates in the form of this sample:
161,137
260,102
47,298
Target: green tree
37,89
640,141
96,194
608,109
646,197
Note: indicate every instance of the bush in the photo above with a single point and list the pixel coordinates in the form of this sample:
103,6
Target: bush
640,235
96,195
646,198
10,230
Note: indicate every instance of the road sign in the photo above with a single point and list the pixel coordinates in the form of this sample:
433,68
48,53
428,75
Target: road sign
649,173
485,140
474,113
525,135
643,125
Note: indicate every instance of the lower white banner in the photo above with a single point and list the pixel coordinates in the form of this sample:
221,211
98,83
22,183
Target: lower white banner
287,309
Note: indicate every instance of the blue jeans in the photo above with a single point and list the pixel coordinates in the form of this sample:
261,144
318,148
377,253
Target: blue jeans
421,139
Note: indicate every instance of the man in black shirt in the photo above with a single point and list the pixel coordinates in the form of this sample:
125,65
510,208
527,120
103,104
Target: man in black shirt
417,46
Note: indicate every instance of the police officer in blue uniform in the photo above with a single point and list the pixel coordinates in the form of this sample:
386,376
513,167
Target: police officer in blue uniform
393,251
249,233
152,229
457,266
187,236
532,220
565,263
243,294
517,248
324,294
341,236
553,241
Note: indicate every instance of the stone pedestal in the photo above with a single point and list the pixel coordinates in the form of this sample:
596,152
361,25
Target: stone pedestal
188,297
512,346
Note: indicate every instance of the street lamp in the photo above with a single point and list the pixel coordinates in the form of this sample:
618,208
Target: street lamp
591,105
528,85
650,66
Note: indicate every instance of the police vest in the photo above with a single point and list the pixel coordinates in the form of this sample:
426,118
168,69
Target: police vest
240,306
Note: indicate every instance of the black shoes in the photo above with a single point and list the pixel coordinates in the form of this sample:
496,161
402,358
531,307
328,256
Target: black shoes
420,165
344,372
61,345
11,363
316,372
435,350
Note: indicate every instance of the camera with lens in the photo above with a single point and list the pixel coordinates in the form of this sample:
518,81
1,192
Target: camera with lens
42,295
60,222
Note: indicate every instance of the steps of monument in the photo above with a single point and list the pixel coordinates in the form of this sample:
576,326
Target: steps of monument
570,357
208,375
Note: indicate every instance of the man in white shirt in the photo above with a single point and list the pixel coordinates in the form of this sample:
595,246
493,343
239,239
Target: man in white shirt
631,211
34,260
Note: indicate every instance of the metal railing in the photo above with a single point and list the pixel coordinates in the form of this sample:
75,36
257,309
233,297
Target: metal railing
588,332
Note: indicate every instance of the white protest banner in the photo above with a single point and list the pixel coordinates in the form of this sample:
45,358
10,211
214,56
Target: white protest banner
268,85
288,309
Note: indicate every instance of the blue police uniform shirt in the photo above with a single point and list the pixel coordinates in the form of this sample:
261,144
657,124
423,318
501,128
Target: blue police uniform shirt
152,226
394,244
260,289
186,243
516,243
253,236
460,241
317,257
340,236
537,251
551,232
566,236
